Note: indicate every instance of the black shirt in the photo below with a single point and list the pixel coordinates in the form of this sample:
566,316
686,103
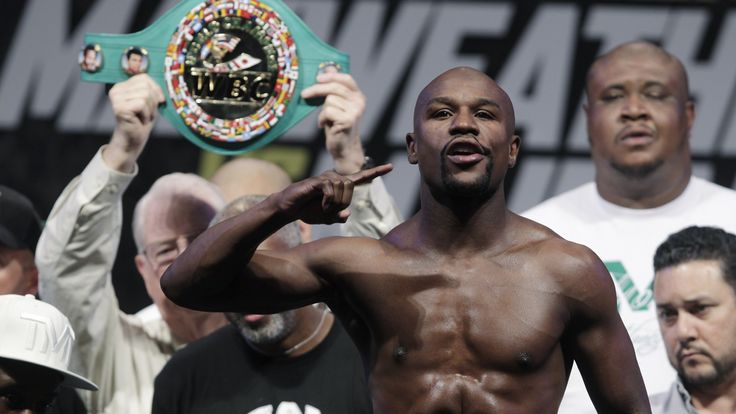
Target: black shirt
222,374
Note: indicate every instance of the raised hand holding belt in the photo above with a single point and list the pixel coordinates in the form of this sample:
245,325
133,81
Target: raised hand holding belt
232,70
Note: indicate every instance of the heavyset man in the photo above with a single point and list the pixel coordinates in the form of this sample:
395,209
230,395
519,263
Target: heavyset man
639,116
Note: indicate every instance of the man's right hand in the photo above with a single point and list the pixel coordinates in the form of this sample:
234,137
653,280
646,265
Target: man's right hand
135,104
324,199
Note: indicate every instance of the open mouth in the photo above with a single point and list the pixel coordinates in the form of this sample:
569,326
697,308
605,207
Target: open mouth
465,152
636,136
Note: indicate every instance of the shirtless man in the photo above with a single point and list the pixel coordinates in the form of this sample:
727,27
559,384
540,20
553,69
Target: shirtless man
464,308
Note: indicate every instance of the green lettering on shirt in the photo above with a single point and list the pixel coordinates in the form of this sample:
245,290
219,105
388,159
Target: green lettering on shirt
637,300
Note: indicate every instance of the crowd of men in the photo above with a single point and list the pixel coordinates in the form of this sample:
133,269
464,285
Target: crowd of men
618,296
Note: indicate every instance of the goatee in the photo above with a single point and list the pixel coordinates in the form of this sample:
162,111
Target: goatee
480,187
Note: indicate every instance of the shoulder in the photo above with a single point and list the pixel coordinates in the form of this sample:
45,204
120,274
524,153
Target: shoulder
562,203
574,267
561,255
670,401
710,190
203,351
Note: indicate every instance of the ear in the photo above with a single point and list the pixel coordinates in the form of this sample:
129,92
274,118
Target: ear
305,231
148,274
411,148
141,263
690,113
514,150
586,109
32,275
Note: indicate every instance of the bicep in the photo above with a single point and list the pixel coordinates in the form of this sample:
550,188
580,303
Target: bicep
277,280
602,347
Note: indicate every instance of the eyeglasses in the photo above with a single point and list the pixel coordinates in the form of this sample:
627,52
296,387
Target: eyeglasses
161,254
18,398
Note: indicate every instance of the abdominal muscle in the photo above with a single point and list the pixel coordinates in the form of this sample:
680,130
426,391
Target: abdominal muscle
399,388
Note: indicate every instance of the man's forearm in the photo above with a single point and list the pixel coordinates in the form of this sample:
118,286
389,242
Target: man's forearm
202,276
76,252
81,237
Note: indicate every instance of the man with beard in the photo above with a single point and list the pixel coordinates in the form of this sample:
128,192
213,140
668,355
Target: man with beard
695,293
639,115
296,361
464,308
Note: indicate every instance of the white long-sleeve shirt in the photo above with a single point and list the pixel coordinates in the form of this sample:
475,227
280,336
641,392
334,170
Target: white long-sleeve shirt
75,255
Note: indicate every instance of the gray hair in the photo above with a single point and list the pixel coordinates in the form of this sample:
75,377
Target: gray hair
169,187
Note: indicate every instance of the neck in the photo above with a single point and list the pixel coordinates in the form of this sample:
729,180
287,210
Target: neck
313,326
469,224
654,190
718,399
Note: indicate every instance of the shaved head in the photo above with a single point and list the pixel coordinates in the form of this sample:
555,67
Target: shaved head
248,176
434,91
634,50
463,140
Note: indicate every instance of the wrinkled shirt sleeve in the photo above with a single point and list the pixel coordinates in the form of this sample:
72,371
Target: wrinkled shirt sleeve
373,212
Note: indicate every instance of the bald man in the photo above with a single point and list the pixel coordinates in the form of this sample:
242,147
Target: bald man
639,115
464,308
243,176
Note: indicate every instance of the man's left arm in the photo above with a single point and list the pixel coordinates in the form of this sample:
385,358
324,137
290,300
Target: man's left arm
373,211
600,343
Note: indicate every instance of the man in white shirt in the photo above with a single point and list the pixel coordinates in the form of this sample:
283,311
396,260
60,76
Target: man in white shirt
639,116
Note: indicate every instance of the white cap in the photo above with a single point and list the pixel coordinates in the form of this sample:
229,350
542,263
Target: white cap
37,333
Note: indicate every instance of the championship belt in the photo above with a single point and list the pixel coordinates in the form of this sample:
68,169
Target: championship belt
232,70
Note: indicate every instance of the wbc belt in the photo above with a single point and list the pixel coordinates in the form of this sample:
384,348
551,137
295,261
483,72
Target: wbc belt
232,70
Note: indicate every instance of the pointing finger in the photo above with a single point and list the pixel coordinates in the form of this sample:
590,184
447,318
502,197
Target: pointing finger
367,175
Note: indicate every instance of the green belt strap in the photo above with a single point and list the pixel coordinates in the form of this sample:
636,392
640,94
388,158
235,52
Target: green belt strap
232,70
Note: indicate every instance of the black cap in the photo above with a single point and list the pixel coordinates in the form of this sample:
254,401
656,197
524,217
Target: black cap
20,226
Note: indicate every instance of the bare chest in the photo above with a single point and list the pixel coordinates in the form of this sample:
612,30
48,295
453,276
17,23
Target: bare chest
473,317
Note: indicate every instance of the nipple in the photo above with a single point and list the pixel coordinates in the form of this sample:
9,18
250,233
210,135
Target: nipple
400,353
524,360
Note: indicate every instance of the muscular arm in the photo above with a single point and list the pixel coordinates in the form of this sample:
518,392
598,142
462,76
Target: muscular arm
599,341
221,270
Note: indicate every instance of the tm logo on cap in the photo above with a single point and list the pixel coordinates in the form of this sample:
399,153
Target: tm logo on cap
42,338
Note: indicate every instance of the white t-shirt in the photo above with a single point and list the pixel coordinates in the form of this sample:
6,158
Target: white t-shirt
626,239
